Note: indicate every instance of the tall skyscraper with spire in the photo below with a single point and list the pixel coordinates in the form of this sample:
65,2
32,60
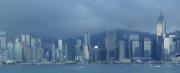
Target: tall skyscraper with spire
160,35
161,26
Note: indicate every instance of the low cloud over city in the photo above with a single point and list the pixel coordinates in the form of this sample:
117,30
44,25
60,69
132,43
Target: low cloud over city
72,17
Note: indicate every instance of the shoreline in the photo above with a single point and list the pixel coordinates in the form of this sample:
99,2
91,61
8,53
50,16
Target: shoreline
86,63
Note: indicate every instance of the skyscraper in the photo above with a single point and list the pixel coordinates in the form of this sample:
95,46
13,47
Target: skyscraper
2,40
18,50
33,53
135,47
147,49
78,57
60,50
53,53
160,35
25,42
110,43
169,47
95,53
86,46
122,48
178,45
39,50
3,50
10,50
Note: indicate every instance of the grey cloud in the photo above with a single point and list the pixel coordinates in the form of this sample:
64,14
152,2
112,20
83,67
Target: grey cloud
70,17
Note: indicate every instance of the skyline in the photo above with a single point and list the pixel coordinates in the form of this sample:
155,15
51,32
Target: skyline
109,47
69,18
84,36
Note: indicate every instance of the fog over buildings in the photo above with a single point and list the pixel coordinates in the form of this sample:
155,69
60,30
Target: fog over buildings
60,18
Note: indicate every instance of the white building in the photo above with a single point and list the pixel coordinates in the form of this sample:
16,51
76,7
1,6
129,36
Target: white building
60,50
18,50
86,46
169,47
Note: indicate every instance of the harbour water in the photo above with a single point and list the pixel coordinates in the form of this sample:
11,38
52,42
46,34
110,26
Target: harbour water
91,68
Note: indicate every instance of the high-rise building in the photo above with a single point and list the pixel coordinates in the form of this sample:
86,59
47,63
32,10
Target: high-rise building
28,55
65,52
122,50
147,49
135,47
169,47
33,43
95,53
3,50
110,43
47,55
33,53
177,40
86,46
166,50
33,48
2,40
178,45
25,42
18,50
160,35
39,50
70,50
60,50
53,53
10,50
78,57
161,26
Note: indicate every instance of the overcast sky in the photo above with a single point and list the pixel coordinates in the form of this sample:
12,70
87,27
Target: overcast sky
70,17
